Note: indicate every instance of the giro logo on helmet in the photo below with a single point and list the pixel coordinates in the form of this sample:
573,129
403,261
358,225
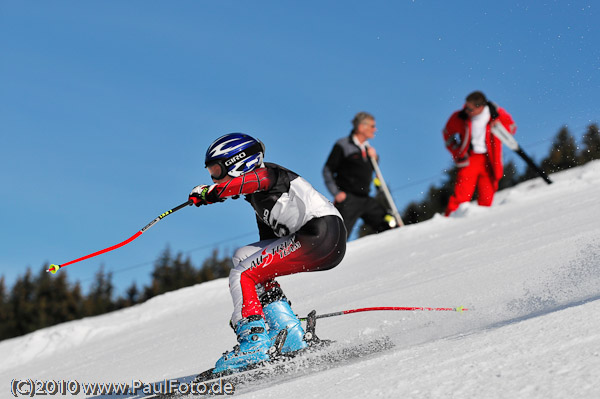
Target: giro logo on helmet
236,158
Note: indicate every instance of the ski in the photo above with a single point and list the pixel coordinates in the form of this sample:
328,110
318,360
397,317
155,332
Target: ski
318,356
508,139
324,356
386,192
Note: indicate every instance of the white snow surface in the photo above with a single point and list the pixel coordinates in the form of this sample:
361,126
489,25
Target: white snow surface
527,269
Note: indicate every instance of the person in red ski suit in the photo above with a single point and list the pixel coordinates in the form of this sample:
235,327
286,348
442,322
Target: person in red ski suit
300,231
475,150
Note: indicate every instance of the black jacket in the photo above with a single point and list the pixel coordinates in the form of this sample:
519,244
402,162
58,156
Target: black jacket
347,170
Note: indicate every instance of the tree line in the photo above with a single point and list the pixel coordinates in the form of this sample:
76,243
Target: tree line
38,300
41,299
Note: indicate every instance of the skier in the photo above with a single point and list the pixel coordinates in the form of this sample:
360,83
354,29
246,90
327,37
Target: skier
475,150
300,231
348,173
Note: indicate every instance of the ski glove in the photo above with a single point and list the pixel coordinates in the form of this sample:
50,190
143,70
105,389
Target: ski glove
204,195
453,142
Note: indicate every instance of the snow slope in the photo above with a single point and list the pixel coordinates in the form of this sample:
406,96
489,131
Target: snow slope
527,268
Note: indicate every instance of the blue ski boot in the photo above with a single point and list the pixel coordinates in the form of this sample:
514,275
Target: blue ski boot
254,345
279,315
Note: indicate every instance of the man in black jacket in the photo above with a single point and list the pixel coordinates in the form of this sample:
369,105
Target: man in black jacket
348,173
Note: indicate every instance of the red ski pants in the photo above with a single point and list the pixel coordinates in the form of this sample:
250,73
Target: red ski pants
319,245
478,174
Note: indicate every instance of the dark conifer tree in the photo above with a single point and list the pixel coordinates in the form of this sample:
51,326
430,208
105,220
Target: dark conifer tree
22,307
162,275
100,300
184,272
132,294
55,301
5,314
563,154
511,176
411,213
591,145
215,267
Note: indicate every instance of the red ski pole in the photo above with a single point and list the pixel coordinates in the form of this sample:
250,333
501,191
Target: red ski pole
54,268
396,308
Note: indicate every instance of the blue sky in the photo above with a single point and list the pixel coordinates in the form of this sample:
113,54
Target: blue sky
106,108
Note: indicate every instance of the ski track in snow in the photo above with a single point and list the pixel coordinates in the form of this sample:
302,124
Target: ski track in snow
527,268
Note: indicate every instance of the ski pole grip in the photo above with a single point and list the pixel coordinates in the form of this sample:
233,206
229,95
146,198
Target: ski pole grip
194,201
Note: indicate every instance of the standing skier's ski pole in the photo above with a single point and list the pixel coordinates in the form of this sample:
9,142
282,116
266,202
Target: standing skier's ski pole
386,192
54,268
396,308
508,139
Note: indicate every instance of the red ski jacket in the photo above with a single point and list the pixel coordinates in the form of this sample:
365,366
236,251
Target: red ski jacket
457,136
